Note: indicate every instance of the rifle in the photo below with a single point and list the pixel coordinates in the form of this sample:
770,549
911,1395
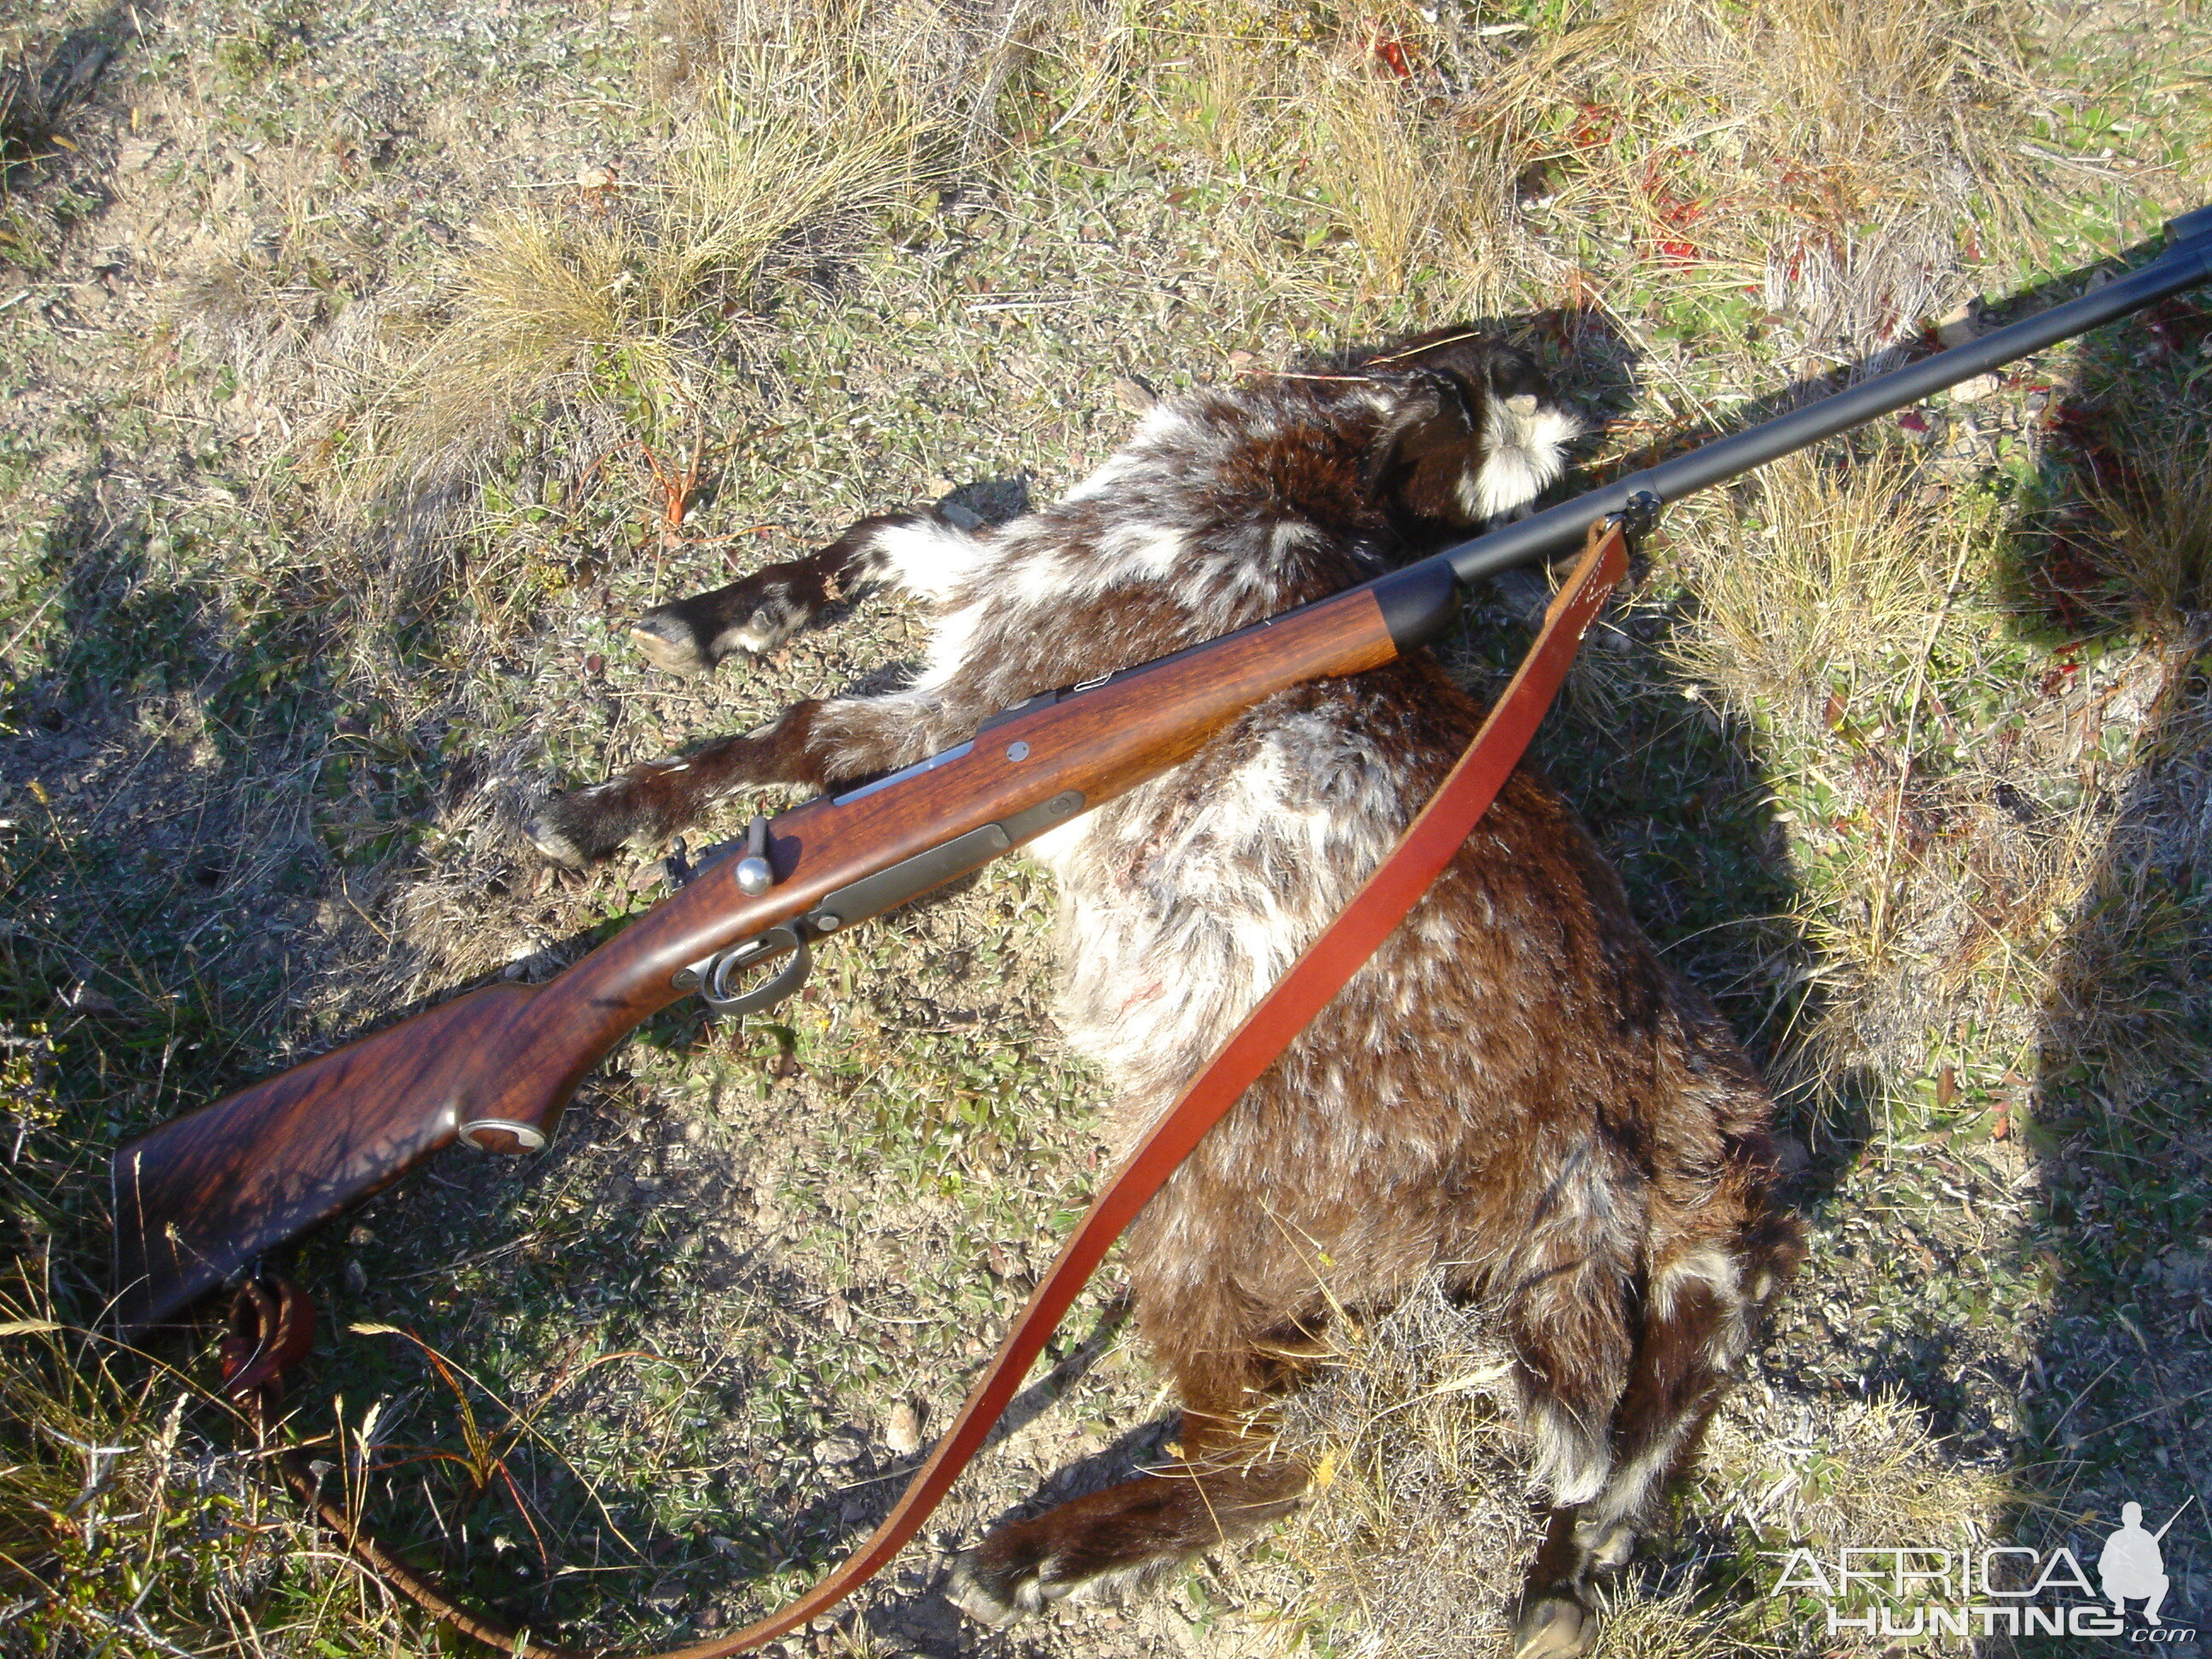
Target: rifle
199,1199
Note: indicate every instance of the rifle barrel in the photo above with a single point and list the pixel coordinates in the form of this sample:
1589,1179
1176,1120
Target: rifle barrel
2186,261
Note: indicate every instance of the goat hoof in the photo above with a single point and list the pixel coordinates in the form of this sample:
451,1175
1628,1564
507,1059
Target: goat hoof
999,1593
670,643
563,835
1554,1627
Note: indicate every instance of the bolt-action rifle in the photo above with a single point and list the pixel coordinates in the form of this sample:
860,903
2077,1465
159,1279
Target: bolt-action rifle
199,1198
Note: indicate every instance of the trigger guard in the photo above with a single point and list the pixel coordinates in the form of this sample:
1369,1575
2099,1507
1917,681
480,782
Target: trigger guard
713,981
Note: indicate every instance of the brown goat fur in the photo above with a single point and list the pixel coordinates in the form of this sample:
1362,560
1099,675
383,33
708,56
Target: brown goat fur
1514,1090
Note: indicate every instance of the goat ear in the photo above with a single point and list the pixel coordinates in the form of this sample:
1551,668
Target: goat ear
1434,415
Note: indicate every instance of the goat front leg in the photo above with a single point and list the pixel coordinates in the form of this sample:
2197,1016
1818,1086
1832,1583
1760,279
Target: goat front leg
815,744
758,612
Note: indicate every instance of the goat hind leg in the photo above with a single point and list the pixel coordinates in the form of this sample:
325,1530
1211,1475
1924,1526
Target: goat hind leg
1696,1322
1570,1325
1228,1482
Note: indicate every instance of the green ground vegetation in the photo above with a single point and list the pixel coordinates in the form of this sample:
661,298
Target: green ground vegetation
364,369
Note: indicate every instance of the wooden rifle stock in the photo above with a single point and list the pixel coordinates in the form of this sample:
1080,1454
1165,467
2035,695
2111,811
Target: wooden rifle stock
197,1200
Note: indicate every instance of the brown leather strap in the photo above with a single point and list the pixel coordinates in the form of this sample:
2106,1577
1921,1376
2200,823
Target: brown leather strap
1396,885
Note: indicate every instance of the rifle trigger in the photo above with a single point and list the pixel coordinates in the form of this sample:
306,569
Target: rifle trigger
711,977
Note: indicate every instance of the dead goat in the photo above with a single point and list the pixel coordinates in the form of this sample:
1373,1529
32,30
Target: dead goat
1515,1090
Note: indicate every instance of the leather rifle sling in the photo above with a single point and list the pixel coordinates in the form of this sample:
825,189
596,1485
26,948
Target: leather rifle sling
1343,947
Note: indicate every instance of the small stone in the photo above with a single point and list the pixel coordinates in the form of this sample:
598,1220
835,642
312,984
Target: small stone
837,1451
1962,325
903,1428
1132,394
1973,391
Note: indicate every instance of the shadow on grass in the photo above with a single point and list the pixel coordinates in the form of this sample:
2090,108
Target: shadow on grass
2120,1403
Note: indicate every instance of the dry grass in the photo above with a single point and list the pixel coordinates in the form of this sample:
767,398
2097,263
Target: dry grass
2159,545
1835,151
1736,189
46,64
954,60
1419,1523
123,1529
606,299
1319,146
1861,632
1840,566
1855,628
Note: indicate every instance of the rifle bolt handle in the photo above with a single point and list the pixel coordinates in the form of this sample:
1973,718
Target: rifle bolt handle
756,875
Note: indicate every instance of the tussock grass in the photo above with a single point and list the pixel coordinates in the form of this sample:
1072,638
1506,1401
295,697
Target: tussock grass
1845,564
1418,194
1330,150
2159,542
1823,154
606,299
1849,626
1857,629
45,64
955,61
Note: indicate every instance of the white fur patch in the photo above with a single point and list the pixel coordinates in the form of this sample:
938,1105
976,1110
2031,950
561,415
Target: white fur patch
926,559
1710,1266
1138,552
1527,452
1571,1463
1060,846
949,646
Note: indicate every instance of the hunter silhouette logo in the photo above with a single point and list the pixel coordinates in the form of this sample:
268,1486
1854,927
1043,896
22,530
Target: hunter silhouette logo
1893,1591
2131,1565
